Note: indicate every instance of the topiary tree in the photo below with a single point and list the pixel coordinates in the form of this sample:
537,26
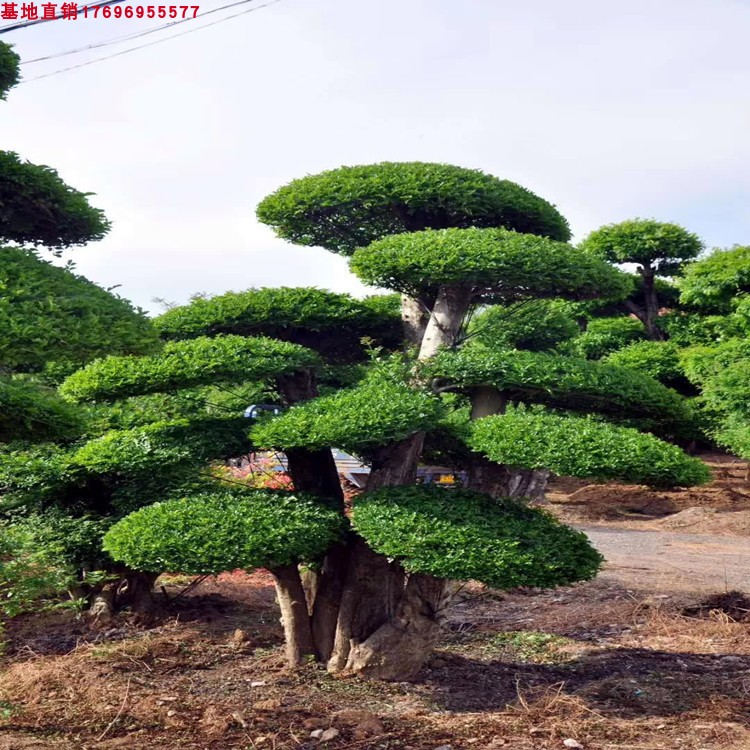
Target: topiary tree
9,69
717,283
658,249
374,601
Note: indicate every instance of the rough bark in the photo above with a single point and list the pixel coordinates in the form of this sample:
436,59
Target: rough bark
396,464
401,646
295,616
498,480
327,602
446,318
651,301
414,317
372,590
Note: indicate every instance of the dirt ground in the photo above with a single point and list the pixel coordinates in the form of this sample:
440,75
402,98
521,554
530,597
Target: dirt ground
630,661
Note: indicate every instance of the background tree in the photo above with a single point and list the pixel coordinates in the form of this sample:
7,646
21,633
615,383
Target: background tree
658,249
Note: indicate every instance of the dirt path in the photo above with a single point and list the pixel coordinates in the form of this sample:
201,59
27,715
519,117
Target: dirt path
665,561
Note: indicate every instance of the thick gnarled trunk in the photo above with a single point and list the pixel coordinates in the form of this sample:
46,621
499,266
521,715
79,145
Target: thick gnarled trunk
295,615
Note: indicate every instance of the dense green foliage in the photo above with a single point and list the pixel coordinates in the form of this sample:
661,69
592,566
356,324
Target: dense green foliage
38,208
583,447
604,336
460,534
497,264
657,359
9,69
31,412
355,419
223,531
712,283
50,314
536,325
330,323
649,243
562,382
183,364
343,209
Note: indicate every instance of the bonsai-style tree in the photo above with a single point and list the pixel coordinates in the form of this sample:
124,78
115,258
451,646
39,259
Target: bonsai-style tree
383,563
657,248
717,283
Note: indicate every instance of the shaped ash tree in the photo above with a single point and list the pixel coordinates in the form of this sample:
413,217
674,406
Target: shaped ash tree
448,241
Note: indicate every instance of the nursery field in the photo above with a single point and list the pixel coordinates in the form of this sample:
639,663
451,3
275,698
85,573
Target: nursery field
654,653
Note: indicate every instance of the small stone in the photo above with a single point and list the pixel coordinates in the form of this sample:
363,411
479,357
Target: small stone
239,637
171,713
257,683
316,734
329,734
444,747
575,744
240,719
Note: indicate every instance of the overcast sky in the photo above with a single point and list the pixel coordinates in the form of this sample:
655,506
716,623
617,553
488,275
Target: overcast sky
610,110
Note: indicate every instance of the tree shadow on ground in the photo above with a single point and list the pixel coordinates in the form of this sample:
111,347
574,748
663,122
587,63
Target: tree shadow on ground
622,682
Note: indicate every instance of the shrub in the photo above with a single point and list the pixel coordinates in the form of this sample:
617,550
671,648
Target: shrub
225,530
464,535
343,209
582,447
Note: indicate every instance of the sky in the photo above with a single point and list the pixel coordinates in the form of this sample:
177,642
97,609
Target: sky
609,110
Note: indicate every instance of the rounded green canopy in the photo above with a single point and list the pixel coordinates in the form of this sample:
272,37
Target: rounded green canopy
183,364
582,447
343,209
210,533
465,535
496,264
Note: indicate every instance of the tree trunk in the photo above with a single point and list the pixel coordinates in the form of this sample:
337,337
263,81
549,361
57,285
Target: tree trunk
445,322
414,317
498,480
295,616
325,608
401,646
486,401
651,301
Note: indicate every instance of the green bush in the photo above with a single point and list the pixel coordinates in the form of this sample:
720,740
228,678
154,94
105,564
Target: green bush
293,314
539,325
49,314
582,447
183,364
32,569
40,209
693,329
343,209
604,336
9,69
702,363
563,382
657,359
356,419
712,283
498,264
156,446
465,535
31,412
226,530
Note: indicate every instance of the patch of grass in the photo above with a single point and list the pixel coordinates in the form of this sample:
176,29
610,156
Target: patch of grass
533,646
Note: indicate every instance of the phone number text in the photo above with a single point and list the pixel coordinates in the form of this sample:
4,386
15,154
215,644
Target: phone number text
71,11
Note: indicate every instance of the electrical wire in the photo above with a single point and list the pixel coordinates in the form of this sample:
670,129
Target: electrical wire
148,44
34,22
134,35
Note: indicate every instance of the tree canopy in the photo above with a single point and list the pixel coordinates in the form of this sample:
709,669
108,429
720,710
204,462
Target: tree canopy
350,207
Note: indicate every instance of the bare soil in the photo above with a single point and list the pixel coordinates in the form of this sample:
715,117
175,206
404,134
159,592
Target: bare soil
630,661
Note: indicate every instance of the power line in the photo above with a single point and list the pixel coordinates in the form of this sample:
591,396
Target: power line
149,44
34,22
134,35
